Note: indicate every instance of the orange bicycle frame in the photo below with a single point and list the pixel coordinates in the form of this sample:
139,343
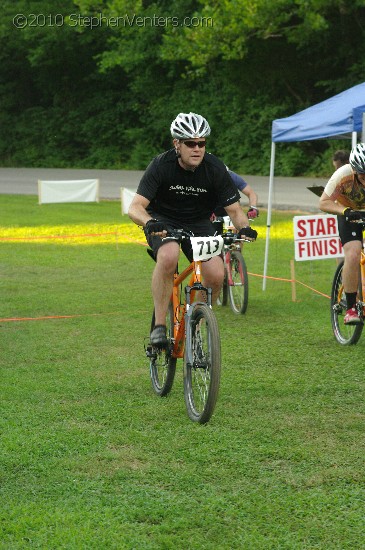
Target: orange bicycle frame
179,309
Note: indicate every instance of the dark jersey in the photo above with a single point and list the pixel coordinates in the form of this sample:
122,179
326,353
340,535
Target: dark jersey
186,195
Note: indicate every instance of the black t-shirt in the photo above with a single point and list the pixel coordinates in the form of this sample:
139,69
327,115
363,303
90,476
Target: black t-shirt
186,195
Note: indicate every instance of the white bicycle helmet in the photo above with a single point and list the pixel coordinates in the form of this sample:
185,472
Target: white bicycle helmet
357,158
189,125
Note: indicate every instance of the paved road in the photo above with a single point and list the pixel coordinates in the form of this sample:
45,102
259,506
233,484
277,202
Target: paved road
288,193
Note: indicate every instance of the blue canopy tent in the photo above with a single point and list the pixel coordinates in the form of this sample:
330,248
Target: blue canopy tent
358,115
340,115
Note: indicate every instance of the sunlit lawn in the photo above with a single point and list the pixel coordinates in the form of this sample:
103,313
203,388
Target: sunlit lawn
91,458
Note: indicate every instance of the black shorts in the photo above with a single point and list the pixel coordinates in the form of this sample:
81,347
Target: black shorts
201,228
349,231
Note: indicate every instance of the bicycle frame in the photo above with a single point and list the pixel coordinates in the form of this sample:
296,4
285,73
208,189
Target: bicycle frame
194,270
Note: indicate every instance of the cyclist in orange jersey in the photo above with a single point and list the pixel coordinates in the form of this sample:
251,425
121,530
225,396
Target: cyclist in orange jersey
344,195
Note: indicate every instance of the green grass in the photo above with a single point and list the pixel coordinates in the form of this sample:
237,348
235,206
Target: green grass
90,458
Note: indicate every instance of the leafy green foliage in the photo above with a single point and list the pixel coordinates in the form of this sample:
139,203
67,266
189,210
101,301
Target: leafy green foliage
96,83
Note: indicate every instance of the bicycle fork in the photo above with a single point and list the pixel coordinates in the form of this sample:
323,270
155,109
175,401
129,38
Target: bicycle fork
188,322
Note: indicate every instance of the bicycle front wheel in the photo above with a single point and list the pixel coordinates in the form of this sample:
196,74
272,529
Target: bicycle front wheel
162,364
202,373
344,334
238,290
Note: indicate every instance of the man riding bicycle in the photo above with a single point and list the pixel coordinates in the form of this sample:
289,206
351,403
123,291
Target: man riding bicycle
344,195
180,189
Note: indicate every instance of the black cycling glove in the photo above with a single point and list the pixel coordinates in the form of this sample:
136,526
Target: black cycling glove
154,226
353,215
247,232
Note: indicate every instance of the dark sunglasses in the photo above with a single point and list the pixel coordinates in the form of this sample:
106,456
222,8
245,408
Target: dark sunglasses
192,144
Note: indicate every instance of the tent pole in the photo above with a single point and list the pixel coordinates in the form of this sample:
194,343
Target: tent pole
269,201
354,140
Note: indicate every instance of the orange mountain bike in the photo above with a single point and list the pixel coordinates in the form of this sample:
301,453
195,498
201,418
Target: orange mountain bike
347,334
193,335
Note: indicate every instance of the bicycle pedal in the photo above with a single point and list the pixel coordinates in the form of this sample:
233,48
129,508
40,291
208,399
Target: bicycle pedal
150,351
197,365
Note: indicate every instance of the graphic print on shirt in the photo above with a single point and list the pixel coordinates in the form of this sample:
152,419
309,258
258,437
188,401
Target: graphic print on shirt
189,190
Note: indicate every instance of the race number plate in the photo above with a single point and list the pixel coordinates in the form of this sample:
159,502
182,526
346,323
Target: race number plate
206,247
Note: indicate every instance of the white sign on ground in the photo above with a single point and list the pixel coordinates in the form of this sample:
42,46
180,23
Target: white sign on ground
126,198
68,191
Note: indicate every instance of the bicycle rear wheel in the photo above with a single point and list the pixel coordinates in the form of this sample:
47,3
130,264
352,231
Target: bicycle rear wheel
238,291
344,334
202,375
162,364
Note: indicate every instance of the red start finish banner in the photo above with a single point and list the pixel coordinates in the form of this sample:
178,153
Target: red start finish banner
316,237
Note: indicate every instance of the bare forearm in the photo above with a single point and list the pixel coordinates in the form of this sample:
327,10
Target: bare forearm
139,215
252,198
251,195
137,211
329,206
237,216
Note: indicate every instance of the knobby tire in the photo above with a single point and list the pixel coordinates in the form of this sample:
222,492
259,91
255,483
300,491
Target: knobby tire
162,365
344,334
238,292
202,377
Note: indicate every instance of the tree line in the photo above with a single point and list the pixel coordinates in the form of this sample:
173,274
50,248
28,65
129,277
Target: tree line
96,83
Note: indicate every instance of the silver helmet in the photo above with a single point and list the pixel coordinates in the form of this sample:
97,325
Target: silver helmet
357,158
189,125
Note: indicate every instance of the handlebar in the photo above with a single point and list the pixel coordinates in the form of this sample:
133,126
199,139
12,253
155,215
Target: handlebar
180,234
357,213
230,238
